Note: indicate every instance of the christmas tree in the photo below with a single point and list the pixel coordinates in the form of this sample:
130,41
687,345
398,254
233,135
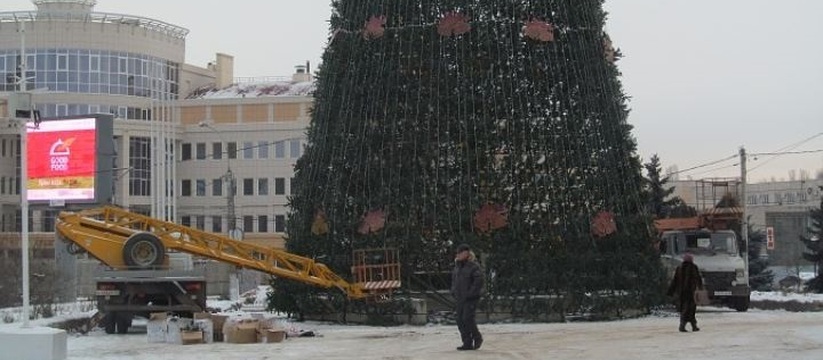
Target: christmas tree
498,123
814,247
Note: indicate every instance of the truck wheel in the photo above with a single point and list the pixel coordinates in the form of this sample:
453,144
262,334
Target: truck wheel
741,303
123,322
109,323
143,251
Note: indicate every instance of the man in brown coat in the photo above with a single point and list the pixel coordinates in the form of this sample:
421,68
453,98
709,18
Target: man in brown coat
686,281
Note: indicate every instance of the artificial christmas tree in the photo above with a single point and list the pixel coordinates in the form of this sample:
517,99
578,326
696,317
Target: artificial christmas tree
498,123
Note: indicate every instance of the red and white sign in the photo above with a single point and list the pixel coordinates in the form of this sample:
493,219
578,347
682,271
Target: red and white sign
770,238
61,160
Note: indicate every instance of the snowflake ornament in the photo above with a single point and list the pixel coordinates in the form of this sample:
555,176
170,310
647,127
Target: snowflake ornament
453,23
538,30
374,27
603,224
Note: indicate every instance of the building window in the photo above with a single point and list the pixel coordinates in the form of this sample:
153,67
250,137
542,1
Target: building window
248,150
200,222
217,224
217,151
263,150
140,165
48,220
201,187
248,187
217,187
279,150
3,185
4,148
263,186
185,188
200,151
279,223
185,151
295,148
262,223
185,220
279,186
248,223
231,150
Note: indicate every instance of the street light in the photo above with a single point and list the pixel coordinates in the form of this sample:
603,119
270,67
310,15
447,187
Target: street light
228,177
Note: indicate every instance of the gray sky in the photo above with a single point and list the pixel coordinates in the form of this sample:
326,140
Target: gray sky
705,76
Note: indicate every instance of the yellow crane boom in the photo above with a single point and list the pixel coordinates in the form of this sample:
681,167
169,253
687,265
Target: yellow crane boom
125,240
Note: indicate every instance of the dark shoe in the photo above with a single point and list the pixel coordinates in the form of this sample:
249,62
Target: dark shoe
682,328
465,347
477,343
694,327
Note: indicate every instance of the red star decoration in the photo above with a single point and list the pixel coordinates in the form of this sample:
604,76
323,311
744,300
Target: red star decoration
374,27
603,224
372,222
491,217
539,30
453,23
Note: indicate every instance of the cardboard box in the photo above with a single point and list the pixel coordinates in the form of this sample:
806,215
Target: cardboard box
156,328
273,335
189,337
207,327
174,327
240,331
217,324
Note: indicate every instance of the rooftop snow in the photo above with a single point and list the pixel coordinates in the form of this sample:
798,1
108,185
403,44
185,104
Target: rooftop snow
255,89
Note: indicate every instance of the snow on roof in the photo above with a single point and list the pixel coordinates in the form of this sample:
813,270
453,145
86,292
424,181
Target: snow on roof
255,89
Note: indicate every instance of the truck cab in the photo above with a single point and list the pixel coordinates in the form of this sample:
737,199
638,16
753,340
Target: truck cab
717,256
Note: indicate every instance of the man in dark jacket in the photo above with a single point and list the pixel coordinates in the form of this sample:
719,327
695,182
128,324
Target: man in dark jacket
685,282
467,283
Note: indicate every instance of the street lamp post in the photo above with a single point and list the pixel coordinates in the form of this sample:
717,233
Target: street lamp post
233,231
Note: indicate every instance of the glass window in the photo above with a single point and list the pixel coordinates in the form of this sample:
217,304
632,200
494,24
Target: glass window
94,63
279,186
279,150
200,151
185,188
248,223
186,151
279,223
248,187
262,186
217,151
262,223
201,187
263,150
200,222
217,187
295,148
231,150
62,62
248,150
217,224
185,220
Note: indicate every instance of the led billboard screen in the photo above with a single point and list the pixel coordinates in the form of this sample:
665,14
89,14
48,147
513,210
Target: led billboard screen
62,160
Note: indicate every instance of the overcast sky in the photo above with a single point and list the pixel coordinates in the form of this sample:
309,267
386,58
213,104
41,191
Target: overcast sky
705,76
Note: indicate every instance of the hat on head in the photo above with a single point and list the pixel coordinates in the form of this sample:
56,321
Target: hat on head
463,247
688,257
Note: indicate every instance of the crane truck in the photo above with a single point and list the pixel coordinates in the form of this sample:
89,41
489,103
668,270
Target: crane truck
134,247
714,247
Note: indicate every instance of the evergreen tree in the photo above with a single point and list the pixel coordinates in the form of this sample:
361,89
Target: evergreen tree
499,123
656,191
760,277
814,248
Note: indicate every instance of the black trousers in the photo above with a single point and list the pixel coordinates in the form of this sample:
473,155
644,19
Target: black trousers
688,308
466,323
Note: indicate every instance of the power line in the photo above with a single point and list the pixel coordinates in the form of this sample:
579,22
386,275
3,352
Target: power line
787,153
705,165
784,150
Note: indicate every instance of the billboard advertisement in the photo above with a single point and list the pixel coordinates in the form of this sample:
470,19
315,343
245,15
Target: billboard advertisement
62,160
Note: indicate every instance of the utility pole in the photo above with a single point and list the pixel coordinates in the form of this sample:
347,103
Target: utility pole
744,226
24,176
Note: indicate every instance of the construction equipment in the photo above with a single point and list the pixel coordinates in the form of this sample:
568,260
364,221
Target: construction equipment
713,244
135,247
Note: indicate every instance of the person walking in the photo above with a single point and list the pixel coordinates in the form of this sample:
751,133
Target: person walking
467,284
686,281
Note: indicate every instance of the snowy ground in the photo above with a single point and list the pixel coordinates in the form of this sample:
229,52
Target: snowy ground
725,334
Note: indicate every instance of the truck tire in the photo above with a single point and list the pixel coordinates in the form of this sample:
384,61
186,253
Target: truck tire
143,251
123,321
109,323
741,303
